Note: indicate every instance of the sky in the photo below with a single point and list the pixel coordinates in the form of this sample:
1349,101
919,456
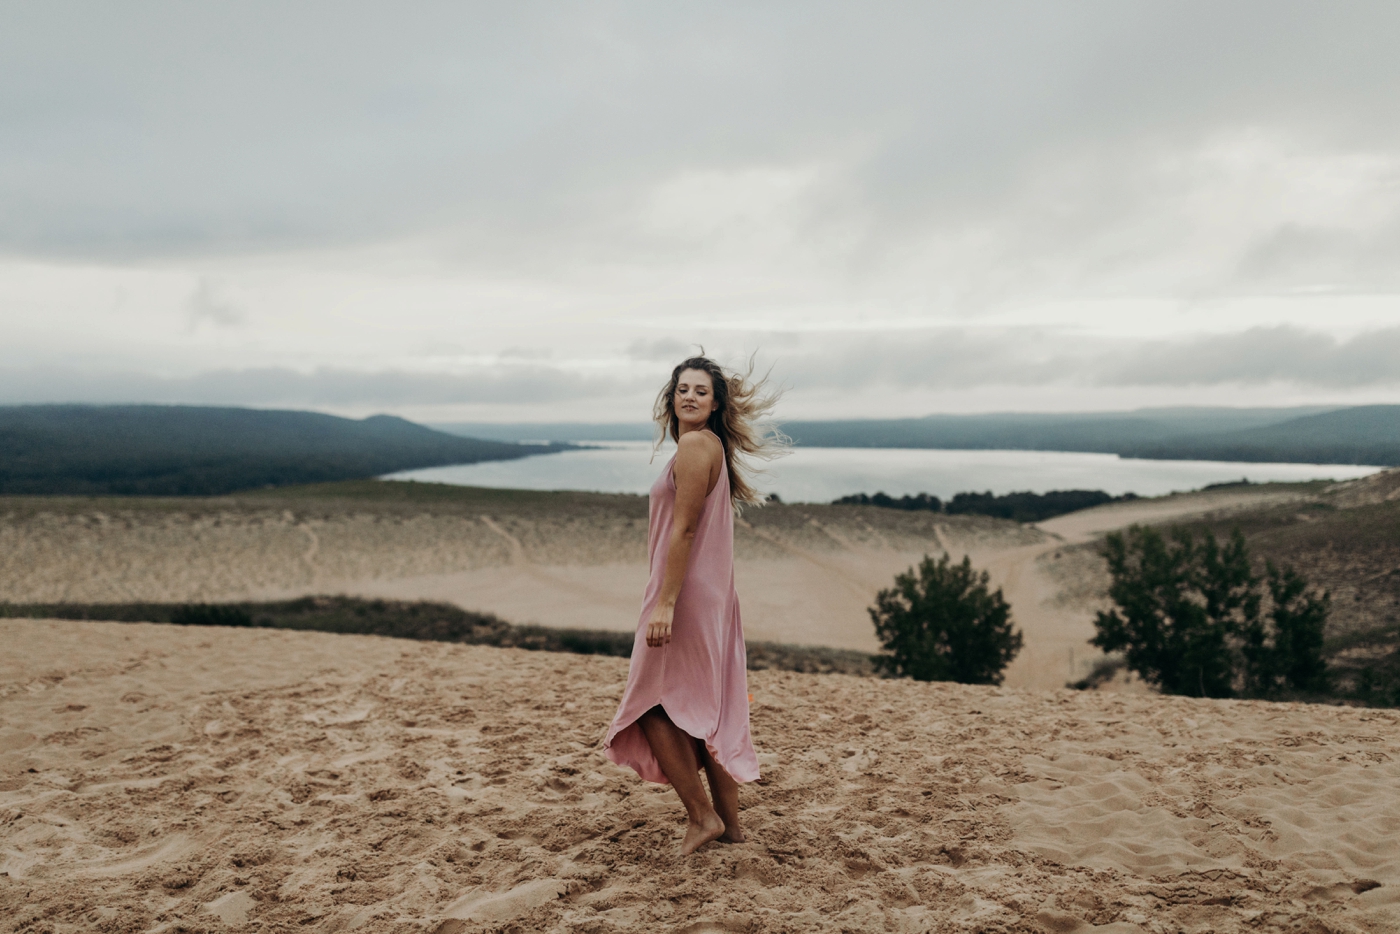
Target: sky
532,211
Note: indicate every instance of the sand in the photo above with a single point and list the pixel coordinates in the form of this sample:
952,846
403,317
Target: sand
169,779
805,574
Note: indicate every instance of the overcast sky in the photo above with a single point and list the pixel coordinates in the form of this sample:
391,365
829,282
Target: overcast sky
521,212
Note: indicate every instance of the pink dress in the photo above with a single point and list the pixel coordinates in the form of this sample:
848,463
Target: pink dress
701,676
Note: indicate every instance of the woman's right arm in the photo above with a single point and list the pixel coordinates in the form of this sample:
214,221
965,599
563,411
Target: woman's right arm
696,453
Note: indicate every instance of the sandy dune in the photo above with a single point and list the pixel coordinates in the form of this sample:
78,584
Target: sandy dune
168,779
805,574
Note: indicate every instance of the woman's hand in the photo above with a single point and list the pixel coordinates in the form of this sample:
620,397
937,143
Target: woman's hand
659,629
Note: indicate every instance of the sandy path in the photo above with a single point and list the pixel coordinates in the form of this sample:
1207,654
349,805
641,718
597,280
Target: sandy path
167,779
1088,524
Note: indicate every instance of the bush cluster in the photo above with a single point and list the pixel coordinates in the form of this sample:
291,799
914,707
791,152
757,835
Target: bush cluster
1194,617
941,622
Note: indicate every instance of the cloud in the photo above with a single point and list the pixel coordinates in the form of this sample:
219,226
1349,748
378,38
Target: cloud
325,388
955,359
539,203
204,306
1005,148
941,359
664,349
898,368
1263,355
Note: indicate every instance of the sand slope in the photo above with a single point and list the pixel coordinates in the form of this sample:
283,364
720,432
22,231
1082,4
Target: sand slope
167,779
805,573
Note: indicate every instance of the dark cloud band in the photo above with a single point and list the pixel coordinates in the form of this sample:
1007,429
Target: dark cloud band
943,360
322,388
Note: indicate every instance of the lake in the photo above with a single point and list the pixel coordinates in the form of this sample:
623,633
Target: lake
820,475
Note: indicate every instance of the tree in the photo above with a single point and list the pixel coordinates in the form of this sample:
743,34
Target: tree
1299,618
1160,622
940,622
1189,617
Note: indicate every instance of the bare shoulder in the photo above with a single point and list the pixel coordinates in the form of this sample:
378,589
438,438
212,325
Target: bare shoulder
701,446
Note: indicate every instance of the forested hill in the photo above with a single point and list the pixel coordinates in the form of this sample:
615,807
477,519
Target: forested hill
1365,434
196,451
1104,432
1358,435
1318,434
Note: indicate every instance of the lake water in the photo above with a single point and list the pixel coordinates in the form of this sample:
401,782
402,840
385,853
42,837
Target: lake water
820,475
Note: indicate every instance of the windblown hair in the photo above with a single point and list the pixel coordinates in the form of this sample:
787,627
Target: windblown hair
741,405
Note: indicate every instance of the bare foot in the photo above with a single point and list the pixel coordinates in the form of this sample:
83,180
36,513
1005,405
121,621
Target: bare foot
697,835
731,836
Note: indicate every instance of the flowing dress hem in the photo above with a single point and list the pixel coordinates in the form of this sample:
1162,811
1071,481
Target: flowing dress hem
646,764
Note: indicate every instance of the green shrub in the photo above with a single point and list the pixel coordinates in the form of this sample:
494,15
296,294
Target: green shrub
210,614
940,622
1189,617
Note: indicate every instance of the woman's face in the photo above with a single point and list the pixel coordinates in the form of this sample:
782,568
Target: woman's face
694,399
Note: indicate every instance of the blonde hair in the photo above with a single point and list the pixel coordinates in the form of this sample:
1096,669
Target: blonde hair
739,420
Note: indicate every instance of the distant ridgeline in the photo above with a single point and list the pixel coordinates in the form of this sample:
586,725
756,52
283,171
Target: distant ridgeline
156,450
1368,434
1020,507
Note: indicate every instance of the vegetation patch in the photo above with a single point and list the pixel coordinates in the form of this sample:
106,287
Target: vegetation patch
1366,665
1353,553
1018,507
437,622
1193,617
941,622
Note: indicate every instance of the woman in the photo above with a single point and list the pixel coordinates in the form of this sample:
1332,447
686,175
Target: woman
686,704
